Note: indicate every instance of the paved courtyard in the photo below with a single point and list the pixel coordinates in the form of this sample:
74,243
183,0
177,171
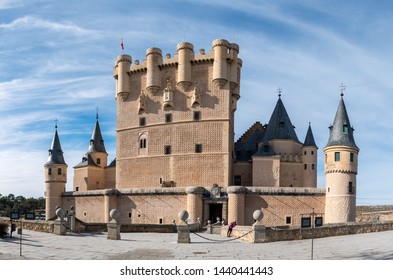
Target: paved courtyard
164,246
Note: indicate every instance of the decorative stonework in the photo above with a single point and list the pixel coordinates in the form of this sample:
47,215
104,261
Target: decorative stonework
168,103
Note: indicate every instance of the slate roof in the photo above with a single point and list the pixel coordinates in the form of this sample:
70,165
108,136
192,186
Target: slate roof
55,151
341,132
86,161
309,141
280,126
265,150
247,145
96,141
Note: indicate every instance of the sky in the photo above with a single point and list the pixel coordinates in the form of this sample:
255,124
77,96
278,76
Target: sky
57,57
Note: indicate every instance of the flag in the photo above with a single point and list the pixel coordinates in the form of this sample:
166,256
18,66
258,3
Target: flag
122,44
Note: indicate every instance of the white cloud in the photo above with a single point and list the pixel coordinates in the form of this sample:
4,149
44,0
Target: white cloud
30,22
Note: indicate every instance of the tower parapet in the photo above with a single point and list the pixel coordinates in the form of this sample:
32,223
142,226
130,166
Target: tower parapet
153,76
121,73
185,53
221,49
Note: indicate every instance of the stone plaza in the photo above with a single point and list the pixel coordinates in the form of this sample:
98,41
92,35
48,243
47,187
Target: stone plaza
164,246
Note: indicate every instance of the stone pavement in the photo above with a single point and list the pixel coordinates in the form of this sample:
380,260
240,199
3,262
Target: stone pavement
164,246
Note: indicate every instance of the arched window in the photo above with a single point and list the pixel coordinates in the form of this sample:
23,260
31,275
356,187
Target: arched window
143,143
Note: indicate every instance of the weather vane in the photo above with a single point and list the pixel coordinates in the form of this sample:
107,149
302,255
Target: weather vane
279,90
342,89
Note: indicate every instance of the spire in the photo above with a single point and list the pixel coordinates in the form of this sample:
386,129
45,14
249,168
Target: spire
280,126
341,132
55,151
309,141
96,141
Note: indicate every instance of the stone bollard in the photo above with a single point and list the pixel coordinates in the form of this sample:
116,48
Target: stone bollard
183,230
259,233
114,225
72,218
58,225
209,227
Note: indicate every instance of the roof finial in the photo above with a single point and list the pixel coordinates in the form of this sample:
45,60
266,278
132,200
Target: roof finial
56,120
97,113
279,90
342,89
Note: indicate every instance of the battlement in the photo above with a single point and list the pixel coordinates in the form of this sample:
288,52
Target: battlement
223,57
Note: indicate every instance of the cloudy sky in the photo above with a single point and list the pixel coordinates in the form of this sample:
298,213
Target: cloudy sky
56,62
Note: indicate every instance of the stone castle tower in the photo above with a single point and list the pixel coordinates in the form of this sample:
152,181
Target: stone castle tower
175,117
55,177
341,167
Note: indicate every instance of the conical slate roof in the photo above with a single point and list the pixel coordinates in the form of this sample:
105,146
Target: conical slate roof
309,141
55,151
341,132
96,141
280,126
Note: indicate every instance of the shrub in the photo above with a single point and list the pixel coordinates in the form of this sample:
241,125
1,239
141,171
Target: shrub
3,229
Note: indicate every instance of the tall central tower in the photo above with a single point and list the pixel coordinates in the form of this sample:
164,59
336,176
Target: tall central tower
341,167
175,117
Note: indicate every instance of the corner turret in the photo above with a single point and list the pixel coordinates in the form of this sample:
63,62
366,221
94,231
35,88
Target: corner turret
55,177
341,164
309,158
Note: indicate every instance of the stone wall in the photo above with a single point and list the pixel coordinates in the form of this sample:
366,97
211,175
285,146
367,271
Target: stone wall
36,225
285,234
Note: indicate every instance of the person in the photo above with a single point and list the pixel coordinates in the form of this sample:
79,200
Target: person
230,227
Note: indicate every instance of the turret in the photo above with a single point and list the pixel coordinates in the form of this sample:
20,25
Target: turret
309,159
185,53
341,167
153,75
121,73
220,64
96,147
55,177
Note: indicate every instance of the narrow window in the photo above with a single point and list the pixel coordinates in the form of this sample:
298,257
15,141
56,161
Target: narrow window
351,157
197,115
160,221
142,121
313,166
312,152
168,118
328,189
49,171
345,128
77,189
58,171
129,214
98,161
305,152
350,187
238,180
288,220
305,167
198,148
167,150
281,124
337,156
142,143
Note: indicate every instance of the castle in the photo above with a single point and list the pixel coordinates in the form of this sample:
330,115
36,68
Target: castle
175,150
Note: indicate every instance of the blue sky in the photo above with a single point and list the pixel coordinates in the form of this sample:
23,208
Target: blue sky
56,62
